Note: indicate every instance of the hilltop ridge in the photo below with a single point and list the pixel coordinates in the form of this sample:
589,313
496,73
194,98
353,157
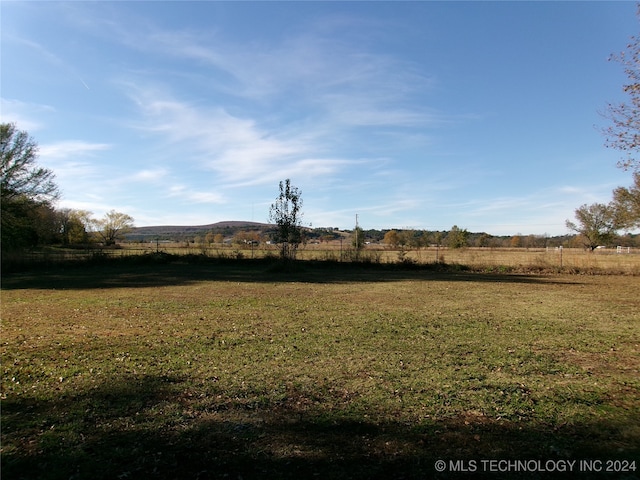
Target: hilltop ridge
176,231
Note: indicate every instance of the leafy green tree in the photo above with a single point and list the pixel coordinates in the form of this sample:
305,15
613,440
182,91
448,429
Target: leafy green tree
46,224
626,202
457,237
437,238
415,238
286,213
24,188
75,226
597,224
484,240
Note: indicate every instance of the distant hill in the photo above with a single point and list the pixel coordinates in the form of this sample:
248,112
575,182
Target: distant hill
179,232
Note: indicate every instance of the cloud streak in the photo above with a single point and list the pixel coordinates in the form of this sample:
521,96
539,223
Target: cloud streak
308,64
238,150
23,113
151,175
185,193
71,148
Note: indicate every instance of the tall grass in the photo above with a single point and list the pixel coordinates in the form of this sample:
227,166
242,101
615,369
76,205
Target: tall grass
476,259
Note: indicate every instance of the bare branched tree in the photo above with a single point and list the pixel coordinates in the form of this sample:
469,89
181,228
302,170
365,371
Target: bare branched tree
624,132
113,226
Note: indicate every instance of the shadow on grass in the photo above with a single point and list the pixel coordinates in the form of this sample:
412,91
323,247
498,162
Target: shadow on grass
156,271
152,427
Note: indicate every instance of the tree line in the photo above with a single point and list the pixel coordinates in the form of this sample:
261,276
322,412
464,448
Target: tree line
27,201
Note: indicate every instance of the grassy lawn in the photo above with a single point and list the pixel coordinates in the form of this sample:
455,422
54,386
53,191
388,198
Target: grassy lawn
235,371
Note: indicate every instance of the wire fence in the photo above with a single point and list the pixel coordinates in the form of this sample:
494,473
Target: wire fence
625,260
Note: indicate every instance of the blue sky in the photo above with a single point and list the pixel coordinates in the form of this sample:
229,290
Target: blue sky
410,114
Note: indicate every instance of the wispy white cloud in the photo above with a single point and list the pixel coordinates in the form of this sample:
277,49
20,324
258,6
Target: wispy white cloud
47,55
205,197
570,189
95,205
71,148
23,114
83,179
312,64
237,149
537,211
151,175
363,111
190,195
40,49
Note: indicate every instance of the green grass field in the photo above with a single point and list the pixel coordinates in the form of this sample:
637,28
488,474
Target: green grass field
236,370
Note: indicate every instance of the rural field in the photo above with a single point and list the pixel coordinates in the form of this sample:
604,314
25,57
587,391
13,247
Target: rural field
240,370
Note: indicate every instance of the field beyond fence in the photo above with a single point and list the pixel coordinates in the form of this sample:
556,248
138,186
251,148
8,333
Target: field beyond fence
569,260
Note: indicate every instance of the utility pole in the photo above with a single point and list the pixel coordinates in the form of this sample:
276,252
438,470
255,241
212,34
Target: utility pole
357,245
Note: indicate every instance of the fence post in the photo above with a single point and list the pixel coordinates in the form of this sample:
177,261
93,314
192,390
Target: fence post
560,256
